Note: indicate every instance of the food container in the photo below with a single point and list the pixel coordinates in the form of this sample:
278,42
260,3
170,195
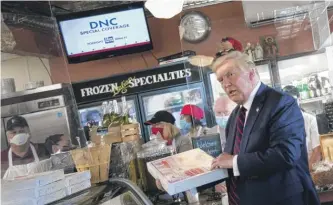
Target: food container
130,132
33,84
7,85
326,144
63,161
323,173
152,150
129,152
124,160
322,178
110,135
95,159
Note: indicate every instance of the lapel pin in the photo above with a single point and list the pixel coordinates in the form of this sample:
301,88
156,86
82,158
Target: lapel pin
257,109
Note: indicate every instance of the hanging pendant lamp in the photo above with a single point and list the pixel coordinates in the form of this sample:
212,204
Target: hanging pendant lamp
201,60
164,9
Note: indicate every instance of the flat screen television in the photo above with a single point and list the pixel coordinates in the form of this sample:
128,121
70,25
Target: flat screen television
106,32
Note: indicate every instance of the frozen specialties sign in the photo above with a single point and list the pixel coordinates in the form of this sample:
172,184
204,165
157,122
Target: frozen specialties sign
105,88
132,82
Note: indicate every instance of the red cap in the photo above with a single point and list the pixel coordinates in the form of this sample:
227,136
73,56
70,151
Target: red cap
193,110
235,43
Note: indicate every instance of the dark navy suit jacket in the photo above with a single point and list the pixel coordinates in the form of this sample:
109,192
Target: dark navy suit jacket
272,162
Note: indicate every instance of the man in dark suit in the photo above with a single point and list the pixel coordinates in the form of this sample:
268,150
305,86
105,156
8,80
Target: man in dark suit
265,152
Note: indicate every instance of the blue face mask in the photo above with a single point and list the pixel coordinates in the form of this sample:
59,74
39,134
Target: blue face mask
185,126
222,121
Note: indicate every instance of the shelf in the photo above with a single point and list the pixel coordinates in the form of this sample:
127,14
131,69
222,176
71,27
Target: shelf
261,62
312,100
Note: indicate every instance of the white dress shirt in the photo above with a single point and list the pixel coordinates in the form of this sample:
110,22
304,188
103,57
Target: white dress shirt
247,106
311,130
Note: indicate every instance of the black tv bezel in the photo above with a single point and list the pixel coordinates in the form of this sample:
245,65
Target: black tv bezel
105,54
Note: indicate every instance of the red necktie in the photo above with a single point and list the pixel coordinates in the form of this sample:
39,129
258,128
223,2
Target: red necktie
233,198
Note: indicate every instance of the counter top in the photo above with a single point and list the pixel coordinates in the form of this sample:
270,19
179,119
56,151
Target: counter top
326,196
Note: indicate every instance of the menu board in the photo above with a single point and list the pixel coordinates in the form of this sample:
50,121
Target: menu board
211,144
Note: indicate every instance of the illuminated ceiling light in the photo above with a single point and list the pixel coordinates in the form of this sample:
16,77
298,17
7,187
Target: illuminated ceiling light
164,9
201,60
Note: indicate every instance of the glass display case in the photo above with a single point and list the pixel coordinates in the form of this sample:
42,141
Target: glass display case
93,114
173,101
310,74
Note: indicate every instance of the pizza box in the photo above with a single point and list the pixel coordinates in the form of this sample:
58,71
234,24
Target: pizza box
37,192
78,187
184,171
32,181
76,178
38,201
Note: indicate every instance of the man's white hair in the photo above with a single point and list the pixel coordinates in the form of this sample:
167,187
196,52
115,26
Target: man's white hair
224,102
241,59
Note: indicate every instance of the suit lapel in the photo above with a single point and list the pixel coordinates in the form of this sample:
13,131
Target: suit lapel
253,114
231,132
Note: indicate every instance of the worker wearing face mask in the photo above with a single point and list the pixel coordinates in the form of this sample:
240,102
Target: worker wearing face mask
163,123
192,116
222,108
57,143
22,155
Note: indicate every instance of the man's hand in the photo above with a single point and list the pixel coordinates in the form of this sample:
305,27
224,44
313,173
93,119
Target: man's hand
159,185
221,188
224,161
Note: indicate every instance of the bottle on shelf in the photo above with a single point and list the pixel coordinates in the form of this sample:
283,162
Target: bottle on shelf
115,107
105,107
110,107
305,92
125,111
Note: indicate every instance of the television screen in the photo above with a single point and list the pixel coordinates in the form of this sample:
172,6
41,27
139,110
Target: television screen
106,32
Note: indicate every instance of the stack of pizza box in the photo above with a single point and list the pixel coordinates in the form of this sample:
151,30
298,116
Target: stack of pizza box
78,181
36,189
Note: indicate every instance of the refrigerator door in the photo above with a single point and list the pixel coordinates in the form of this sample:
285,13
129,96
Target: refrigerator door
172,100
92,113
216,87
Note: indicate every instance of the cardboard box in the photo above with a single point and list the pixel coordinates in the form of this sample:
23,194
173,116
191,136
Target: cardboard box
37,192
78,187
39,201
326,144
33,181
184,171
76,178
